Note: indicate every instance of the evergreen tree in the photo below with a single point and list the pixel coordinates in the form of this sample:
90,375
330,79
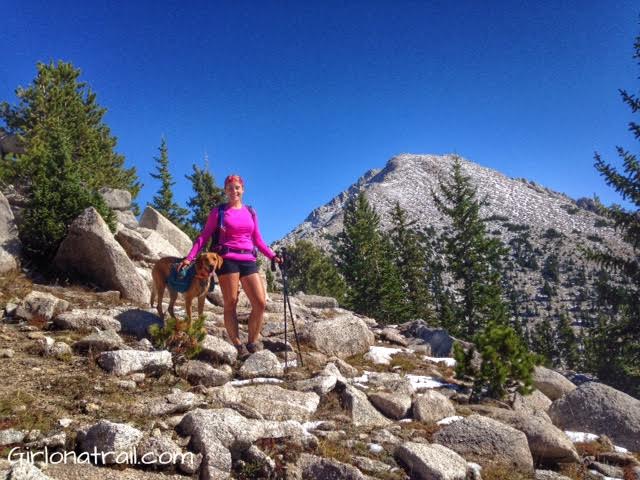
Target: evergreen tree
615,343
411,262
312,272
58,102
505,362
544,341
206,195
567,347
473,258
69,154
374,287
163,201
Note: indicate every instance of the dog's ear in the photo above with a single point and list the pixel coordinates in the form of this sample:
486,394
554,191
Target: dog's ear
219,262
200,261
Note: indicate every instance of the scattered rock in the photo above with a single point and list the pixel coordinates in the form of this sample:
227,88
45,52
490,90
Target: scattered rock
277,403
549,475
431,406
116,199
361,411
25,471
42,305
6,353
7,437
176,402
392,335
101,341
318,468
597,408
149,249
123,362
431,462
85,321
392,405
200,373
261,364
161,452
216,349
109,439
316,301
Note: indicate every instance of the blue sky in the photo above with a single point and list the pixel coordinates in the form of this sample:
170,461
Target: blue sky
302,97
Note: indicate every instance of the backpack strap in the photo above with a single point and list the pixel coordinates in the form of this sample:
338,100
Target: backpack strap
215,238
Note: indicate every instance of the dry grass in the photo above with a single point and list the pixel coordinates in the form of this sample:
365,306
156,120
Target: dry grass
593,449
504,472
414,429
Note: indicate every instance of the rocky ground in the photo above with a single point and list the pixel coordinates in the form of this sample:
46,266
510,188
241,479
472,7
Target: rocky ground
80,375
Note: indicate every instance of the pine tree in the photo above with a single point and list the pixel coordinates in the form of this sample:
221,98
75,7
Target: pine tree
567,345
58,102
312,272
544,341
505,362
374,287
473,258
206,195
69,154
163,201
615,343
411,261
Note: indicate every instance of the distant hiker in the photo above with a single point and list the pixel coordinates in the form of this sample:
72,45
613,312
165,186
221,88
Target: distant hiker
233,228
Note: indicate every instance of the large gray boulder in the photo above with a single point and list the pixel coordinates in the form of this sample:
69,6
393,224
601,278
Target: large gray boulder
109,439
344,336
23,470
10,246
597,408
551,383
487,441
316,301
124,362
100,341
116,199
548,444
154,220
431,462
151,248
438,339
393,405
91,251
40,304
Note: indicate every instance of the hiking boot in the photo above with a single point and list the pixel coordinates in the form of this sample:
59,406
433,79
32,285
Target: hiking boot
243,352
253,347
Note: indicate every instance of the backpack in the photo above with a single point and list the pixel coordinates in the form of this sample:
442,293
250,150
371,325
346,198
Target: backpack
215,238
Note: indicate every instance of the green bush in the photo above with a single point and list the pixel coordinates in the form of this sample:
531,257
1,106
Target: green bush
180,338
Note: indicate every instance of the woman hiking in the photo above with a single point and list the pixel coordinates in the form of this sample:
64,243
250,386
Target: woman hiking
238,237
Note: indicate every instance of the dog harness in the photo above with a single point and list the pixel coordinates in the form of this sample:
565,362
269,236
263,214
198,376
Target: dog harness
181,281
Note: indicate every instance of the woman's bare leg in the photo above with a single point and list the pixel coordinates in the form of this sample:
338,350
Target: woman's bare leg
252,286
229,287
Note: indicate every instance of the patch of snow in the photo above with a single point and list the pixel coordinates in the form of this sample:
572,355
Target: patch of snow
310,426
381,355
449,362
581,437
361,380
375,448
424,382
475,468
251,381
449,420
601,476
620,449
405,420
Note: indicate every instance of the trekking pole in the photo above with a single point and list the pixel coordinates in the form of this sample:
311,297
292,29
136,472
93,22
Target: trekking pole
287,304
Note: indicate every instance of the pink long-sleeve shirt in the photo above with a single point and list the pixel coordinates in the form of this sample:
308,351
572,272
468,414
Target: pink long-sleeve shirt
239,231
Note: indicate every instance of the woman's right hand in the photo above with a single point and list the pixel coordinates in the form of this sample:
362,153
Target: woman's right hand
184,263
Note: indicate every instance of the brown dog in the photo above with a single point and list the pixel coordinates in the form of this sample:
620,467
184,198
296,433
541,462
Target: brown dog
206,263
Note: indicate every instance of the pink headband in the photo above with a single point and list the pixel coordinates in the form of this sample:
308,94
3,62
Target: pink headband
233,178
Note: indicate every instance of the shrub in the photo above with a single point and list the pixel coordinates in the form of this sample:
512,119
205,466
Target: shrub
180,338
